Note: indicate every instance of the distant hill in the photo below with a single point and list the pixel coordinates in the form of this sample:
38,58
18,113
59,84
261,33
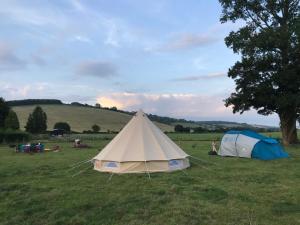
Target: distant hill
34,102
81,118
222,126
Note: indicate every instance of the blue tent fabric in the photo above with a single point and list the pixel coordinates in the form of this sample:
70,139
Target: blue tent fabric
265,149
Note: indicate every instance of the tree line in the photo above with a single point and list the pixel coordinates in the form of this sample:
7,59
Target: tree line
34,102
218,129
37,120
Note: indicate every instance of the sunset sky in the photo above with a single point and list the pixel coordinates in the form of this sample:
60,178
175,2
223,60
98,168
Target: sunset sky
167,57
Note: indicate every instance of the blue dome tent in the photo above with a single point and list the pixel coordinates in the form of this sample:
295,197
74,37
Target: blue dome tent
250,144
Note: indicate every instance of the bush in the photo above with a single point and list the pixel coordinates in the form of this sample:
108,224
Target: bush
96,128
180,128
13,136
87,132
63,125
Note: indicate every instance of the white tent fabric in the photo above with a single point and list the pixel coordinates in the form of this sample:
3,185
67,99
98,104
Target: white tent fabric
237,145
141,147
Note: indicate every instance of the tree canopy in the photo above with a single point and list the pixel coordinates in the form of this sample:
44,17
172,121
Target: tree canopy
4,110
37,121
267,76
62,125
12,121
96,128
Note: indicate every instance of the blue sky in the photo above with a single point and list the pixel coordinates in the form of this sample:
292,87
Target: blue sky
167,57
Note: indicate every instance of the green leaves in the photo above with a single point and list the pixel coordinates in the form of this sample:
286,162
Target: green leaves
62,125
268,75
12,121
269,68
4,110
37,121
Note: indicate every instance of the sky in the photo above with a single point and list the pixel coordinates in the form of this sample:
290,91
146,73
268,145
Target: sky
167,57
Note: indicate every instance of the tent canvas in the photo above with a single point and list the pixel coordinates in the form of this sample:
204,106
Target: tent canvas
141,147
250,144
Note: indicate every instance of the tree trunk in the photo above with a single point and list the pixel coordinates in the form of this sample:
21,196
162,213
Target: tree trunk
288,127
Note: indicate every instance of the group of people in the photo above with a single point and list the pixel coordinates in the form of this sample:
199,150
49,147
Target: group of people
37,147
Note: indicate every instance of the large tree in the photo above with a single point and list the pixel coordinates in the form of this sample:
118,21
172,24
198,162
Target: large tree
4,110
267,76
12,121
37,121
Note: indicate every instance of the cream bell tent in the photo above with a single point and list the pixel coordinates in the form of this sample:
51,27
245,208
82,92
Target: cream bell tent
141,147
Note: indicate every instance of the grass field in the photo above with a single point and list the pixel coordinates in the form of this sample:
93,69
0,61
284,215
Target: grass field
81,118
39,189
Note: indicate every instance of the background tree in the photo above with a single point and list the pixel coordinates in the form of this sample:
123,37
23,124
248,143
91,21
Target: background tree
62,125
96,128
4,110
97,105
12,121
180,128
37,121
267,76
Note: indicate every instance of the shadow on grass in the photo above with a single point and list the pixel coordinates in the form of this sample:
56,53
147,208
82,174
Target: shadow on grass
281,208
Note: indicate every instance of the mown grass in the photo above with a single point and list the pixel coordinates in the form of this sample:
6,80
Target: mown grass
39,189
80,118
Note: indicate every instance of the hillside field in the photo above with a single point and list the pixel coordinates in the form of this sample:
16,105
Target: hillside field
81,118
39,188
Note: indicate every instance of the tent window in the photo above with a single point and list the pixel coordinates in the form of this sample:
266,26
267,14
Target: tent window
111,165
175,163
229,139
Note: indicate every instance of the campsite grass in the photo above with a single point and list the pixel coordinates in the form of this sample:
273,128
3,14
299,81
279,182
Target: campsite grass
39,189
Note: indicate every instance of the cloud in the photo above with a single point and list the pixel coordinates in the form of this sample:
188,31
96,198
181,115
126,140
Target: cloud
77,5
201,77
113,33
62,91
188,41
99,69
35,15
10,91
82,39
38,60
9,60
180,105
176,104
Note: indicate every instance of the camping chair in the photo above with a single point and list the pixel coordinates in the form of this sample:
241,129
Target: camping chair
42,147
19,148
26,148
